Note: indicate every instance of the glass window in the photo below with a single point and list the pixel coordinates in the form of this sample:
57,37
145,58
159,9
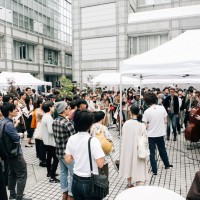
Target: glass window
2,3
23,51
26,22
21,21
15,18
68,60
142,44
50,56
1,47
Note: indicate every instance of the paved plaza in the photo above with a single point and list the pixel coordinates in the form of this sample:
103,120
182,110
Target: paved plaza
183,155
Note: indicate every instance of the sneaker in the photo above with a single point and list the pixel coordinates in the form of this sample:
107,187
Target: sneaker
54,180
169,166
42,164
13,196
174,139
167,138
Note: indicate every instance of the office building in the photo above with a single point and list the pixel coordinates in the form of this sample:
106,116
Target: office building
36,37
105,32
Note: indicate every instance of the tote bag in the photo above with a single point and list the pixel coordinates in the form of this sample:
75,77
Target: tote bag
143,147
38,131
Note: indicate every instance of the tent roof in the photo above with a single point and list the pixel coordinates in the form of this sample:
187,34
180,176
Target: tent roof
178,58
113,78
21,79
169,13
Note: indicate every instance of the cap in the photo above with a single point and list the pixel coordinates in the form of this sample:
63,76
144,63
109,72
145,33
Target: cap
60,106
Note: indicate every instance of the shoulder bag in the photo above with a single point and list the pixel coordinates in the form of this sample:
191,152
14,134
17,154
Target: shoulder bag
99,184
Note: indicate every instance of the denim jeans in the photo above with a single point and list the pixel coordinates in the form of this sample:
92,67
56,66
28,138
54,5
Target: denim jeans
160,143
65,170
171,119
80,187
17,174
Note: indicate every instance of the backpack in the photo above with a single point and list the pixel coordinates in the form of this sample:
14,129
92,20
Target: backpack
11,148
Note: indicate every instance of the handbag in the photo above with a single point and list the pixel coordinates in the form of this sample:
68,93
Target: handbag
99,184
143,148
11,148
38,131
105,144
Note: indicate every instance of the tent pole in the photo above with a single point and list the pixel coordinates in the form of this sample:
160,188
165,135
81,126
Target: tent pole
140,102
120,114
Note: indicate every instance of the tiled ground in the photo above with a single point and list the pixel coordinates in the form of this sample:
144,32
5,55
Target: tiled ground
183,156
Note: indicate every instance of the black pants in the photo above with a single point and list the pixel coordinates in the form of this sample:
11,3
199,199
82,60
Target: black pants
3,194
160,143
80,187
51,153
40,150
17,174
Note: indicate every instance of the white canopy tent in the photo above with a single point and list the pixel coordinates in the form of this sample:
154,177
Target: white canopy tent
20,79
113,79
176,59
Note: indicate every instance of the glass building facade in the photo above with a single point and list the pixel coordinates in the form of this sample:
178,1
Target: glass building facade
50,18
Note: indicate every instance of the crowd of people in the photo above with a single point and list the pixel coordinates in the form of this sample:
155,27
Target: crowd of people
61,128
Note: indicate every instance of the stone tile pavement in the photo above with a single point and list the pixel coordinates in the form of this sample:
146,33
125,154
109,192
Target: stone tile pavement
184,156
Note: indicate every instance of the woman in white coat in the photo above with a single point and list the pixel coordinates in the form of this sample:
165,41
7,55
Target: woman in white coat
133,168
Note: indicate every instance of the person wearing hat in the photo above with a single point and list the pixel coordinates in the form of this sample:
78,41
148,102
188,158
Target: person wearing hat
171,104
63,129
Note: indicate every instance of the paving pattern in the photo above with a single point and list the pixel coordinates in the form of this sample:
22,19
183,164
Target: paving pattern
184,156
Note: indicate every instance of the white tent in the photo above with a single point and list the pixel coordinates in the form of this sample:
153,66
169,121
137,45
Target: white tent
176,59
113,79
20,79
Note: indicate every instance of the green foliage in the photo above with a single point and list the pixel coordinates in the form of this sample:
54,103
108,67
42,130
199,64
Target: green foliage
65,87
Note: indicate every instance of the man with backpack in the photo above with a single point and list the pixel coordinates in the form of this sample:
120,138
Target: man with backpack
11,142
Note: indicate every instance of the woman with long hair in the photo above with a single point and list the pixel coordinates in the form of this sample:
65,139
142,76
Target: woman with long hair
133,168
27,111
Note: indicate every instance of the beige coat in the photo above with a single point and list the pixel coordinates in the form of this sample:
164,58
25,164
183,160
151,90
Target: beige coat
130,164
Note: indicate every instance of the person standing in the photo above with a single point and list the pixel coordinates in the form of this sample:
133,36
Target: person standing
77,151
63,129
3,157
131,167
155,118
49,141
171,104
17,164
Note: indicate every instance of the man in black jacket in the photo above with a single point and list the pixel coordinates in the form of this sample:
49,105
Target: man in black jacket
171,104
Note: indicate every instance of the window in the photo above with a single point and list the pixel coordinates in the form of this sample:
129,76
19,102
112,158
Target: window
50,57
23,51
68,60
1,47
152,2
142,44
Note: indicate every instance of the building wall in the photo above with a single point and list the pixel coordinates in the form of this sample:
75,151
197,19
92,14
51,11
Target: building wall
55,34
99,44
99,39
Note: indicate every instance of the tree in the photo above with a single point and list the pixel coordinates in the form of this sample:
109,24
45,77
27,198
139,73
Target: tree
65,86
